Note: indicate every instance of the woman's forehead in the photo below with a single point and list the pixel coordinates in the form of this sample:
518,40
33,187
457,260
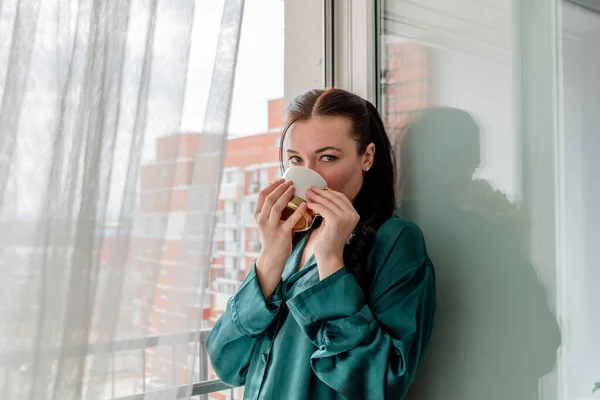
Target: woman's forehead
319,132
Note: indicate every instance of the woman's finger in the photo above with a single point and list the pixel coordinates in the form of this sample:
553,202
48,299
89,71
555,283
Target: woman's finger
342,197
280,204
322,210
262,195
275,188
337,198
330,201
289,223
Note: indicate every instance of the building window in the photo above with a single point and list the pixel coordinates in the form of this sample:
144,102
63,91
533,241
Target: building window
229,176
254,182
264,177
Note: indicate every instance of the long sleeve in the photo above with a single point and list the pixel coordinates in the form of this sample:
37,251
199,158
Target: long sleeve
369,348
233,338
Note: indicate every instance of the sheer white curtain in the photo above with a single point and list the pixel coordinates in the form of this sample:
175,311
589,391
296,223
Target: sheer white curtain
106,206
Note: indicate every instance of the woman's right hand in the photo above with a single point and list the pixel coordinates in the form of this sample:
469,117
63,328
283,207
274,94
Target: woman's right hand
275,234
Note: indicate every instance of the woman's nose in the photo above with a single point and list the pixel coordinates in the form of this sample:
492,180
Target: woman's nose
311,164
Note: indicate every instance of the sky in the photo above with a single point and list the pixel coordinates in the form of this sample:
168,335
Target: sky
259,76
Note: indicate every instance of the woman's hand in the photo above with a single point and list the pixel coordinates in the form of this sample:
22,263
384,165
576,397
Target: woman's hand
275,234
339,220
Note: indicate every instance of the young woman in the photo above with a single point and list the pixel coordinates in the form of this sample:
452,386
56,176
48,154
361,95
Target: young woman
345,310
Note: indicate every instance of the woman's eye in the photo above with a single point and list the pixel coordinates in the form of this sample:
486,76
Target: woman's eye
295,159
329,158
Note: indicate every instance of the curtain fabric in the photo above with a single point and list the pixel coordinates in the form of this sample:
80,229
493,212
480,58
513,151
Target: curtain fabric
106,206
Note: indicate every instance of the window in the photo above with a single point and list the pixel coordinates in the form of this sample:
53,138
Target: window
468,94
255,245
254,182
264,177
230,176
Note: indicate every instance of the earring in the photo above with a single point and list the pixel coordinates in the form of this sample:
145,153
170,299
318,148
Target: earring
367,169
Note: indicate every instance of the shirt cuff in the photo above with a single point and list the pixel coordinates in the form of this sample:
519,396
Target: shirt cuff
334,310
251,313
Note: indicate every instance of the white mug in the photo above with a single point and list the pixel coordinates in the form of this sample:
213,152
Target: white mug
303,178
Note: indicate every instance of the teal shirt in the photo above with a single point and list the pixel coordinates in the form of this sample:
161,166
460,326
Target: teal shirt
326,339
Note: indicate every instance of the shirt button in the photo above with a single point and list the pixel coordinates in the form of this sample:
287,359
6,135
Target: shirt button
265,357
322,348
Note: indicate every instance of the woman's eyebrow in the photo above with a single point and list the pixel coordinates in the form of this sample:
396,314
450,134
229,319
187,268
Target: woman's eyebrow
321,150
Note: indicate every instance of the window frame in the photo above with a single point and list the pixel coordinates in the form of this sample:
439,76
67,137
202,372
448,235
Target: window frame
356,55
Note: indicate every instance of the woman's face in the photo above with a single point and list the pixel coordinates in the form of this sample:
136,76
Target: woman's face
325,144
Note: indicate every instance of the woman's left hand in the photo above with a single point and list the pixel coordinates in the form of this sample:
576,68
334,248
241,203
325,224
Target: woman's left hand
339,220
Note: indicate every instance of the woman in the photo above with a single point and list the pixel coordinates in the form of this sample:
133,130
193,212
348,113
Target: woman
344,310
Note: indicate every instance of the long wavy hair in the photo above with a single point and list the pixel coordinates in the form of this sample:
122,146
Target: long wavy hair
375,201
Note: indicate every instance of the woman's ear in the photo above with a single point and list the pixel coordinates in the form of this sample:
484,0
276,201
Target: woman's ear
368,157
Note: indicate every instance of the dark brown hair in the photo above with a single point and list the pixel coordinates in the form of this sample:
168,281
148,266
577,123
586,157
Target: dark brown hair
375,201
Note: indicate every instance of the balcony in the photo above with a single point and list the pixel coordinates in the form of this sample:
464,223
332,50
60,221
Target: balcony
219,235
15,359
229,249
231,191
224,286
254,247
228,219
248,220
253,188
222,289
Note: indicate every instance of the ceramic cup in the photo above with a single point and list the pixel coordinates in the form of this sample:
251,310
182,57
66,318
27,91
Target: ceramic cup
303,178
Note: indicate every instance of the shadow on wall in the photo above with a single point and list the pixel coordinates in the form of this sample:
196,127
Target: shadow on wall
494,335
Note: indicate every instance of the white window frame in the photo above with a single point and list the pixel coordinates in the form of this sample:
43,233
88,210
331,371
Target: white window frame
342,53
353,37
304,47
